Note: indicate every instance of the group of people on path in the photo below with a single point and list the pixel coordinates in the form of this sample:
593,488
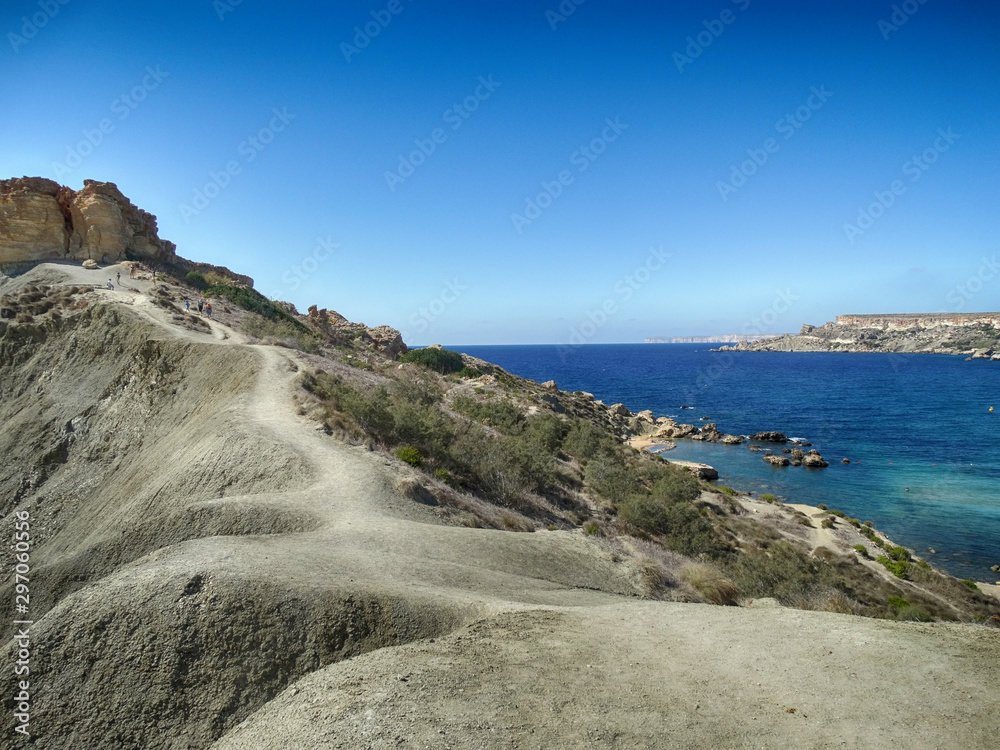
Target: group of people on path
203,307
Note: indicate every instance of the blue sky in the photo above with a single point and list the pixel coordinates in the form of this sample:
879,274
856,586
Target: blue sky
537,172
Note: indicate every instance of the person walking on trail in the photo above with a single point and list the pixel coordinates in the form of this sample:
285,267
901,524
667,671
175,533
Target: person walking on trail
201,305
131,271
110,285
119,278
187,305
208,309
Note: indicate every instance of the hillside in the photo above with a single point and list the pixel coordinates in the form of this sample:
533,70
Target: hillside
974,335
269,529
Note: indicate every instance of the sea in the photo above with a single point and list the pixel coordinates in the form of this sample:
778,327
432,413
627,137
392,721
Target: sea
923,444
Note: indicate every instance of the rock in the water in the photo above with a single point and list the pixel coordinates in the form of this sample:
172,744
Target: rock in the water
845,460
731,439
770,437
777,460
995,568
814,461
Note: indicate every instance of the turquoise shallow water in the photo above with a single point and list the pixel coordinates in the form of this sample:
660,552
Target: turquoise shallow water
913,421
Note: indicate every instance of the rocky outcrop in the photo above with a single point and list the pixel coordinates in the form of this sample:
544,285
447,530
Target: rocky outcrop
777,460
43,220
770,437
337,328
968,334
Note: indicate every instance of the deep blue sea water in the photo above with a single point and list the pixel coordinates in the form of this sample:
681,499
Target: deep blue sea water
912,421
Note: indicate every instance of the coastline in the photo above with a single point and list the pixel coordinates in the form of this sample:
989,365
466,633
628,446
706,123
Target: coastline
841,538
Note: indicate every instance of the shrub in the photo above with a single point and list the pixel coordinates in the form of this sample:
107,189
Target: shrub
585,441
410,455
727,491
443,361
897,602
592,528
828,523
442,475
971,584
253,301
713,586
914,613
861,550
899,553
197,280
498,413
611,478
470,372
897,567
821,506
768,498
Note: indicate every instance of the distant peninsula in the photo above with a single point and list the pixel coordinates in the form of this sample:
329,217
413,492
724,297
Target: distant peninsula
975,335
723,338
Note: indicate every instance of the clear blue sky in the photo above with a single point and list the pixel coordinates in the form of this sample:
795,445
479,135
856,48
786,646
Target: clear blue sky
442,252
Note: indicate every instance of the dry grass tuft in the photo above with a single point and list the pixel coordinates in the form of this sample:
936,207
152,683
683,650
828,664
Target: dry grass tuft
710,583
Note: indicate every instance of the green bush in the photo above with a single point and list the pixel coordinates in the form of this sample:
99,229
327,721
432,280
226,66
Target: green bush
592,528
898,568
727,491
499,413
861,550
915,613
971,584
768,498
828,523
583,440
197,280
470,372
821,506
611,478
899,553
253,301
443,361
897,602
410,455
442,475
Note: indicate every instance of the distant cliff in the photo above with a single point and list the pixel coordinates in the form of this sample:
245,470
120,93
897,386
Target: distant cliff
43,220
975,335
722,338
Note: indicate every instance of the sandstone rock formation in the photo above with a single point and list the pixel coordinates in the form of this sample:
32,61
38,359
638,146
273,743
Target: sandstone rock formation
338,328
777,460
42,220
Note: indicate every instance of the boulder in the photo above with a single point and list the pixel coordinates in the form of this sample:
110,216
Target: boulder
777,460
770,437
731,439
813,460
620,410
550,385
90,264
646,415
845,460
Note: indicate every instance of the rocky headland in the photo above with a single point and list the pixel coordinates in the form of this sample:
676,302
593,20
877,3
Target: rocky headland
268,529
974,335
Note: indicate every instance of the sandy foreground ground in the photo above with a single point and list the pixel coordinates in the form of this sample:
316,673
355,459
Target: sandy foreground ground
311,605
